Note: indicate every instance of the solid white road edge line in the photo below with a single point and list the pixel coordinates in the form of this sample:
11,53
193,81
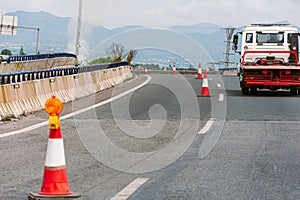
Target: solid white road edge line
30,128
130,189
206,127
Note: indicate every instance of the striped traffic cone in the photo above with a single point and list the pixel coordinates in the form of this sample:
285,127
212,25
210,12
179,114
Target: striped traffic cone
205,90
174,72
199,76
146,71
55,181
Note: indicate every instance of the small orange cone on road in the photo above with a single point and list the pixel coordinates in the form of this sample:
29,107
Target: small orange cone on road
55,181
205,90
174,69
199,76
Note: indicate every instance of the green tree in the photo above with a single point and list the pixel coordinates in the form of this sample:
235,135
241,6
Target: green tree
22,53
6,52
101,60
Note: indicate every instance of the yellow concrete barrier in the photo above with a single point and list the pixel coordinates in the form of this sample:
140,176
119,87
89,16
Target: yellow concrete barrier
29,96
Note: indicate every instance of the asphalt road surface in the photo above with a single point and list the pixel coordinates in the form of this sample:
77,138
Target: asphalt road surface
164,142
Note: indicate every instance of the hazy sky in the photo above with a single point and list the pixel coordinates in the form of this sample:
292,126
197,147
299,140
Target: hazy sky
164,13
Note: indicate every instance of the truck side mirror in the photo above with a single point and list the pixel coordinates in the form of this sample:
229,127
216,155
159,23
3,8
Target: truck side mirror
235,42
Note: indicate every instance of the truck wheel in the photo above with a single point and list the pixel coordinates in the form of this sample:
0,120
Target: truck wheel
293,91
253,90
245,90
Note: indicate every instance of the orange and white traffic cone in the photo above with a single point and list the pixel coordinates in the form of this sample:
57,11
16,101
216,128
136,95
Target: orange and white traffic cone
146,71
199,76
55,181
174,72
205,90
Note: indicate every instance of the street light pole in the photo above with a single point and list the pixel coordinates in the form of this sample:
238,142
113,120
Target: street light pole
77,45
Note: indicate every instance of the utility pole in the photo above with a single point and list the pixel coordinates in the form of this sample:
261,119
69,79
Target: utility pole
229,32
77,45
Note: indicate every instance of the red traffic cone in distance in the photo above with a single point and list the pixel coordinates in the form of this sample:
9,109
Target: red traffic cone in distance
199,75
205,89
146,71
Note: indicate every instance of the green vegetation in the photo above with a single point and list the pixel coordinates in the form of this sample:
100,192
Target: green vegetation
116,53
6,52
131,54
7,118
101,61
128,79
22,53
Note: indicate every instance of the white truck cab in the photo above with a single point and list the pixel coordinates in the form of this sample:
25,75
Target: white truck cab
266,38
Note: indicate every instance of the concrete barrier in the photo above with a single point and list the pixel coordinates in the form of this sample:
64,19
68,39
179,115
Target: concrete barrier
29,96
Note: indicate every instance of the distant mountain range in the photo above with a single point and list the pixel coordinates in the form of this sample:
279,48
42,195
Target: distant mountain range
57,34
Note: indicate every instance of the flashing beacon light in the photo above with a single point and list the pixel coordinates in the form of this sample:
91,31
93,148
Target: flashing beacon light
54,107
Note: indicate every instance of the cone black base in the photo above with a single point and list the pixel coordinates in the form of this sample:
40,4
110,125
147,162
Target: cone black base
37,196
203,95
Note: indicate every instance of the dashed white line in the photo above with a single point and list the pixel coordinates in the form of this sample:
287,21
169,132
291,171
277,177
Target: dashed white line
219,85
207,126
221,97
130,189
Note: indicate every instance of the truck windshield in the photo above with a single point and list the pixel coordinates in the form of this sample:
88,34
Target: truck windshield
269,37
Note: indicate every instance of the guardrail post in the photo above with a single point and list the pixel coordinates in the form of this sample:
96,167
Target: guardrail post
32,76
23,77
41,74
8,79
37,77
19,78
28,76
13,79
2,80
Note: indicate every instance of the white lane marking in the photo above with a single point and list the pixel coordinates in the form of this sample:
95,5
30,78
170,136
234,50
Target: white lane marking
221,97
130,189
207,126
210,79
33,127
211,138
219,85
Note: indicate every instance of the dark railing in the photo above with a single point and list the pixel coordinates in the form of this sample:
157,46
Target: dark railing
39,57
17,77
228,69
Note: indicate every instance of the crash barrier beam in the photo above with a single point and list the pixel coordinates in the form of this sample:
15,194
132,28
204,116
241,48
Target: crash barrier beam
17,77
39,57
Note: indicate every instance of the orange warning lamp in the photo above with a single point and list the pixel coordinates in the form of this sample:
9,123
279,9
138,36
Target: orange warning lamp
53,106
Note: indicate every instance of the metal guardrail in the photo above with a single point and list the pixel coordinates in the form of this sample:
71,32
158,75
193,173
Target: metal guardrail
228,69
17,77
39,57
